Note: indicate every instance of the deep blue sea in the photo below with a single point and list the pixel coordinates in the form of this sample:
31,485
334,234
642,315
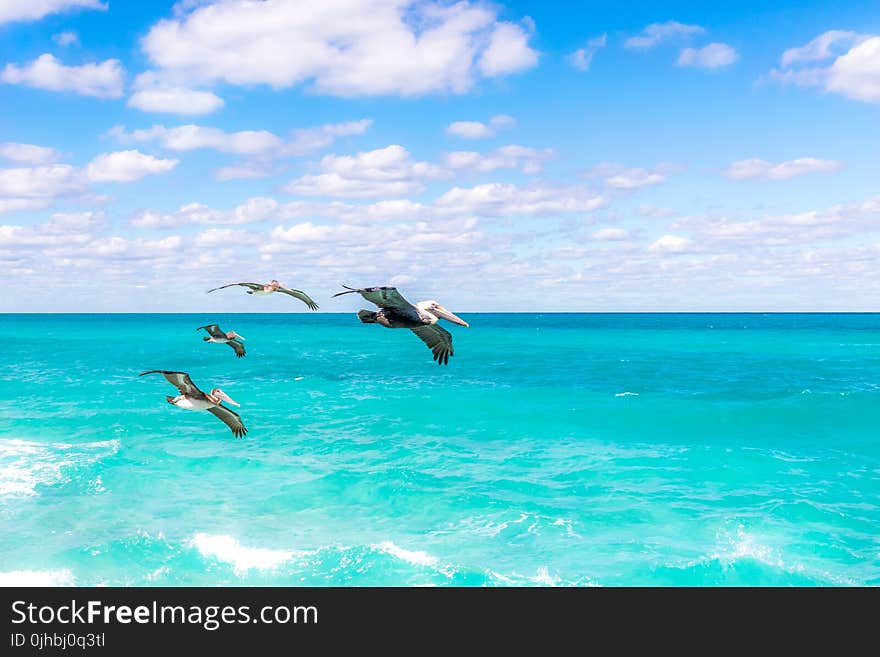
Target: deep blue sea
554,449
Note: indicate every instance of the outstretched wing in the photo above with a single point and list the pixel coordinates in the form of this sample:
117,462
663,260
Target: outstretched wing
214,330
253,286
299,294
439,341
384,297
179,380
238,346
230,418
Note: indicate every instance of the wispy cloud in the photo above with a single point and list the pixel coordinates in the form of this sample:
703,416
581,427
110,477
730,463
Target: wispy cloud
715,55
34,10
277,44
102,80
854,71
757,168
583,57
657,33
478,130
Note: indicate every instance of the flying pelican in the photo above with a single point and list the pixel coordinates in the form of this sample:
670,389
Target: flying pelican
193,399
421,318
229,337
273,286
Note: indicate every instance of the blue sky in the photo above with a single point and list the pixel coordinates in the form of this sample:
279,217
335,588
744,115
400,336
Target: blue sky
507,156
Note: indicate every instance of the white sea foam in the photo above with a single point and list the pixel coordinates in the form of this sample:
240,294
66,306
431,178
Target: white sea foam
25,464
742,545
227,549
745,546
37,578
415,557
626,394
542,577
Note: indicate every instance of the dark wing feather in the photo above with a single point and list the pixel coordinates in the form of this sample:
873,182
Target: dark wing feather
179,380
230,418
214,330
299,294
253,286
238,346
439,341
384,297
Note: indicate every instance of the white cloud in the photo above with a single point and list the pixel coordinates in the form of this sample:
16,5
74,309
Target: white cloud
60,231
17,204
583,57
824,46
310,140
262,146
611,234
342,47
389,171
527,160
66,38
192,137
508,52
810,227
854,74
620,177
406,238
477,130
102,80
647,210
657,33
253,210
28,153
244,170
126,166
224,237
74,222
40,182
490,200
715,55
34,10
857,73
671,244
28,188
499,199
175,100
761,169
634,179
153,219
302,142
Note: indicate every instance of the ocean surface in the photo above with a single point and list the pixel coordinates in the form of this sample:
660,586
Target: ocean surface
554,449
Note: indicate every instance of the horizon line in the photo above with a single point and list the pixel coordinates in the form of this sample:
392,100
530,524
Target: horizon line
479,312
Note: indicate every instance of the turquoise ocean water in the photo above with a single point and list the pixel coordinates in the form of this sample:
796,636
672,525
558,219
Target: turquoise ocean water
554,449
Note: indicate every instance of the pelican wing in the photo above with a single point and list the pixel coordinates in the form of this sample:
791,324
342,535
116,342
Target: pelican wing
179,380
439,341
299,294
213,330
230,418
384,297
238,346
253,286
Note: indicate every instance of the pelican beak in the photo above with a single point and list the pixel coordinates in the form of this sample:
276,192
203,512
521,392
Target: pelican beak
440,311
222,395
236,335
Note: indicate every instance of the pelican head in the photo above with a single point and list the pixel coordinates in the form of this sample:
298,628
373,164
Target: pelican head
216,393
274,283
440,312
233,334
